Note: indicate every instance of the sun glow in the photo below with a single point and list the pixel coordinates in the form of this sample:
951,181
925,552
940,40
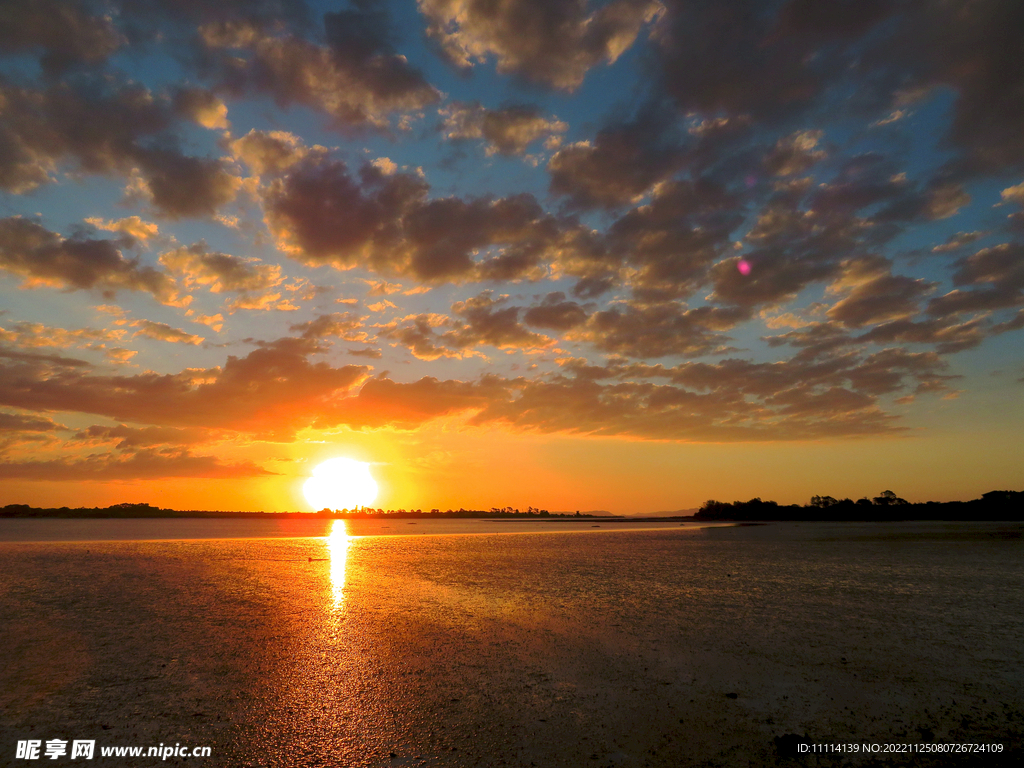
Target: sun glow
340,484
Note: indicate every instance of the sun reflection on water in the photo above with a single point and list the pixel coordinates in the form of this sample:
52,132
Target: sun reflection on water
337,542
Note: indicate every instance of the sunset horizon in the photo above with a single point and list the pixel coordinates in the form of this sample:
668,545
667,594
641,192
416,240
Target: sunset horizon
573,257
525,383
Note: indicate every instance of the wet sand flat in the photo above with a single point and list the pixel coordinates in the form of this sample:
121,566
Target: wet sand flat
663,647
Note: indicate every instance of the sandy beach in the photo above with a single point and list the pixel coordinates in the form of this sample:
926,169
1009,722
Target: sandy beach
663,647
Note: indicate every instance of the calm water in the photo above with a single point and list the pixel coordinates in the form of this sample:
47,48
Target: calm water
627,647
134,529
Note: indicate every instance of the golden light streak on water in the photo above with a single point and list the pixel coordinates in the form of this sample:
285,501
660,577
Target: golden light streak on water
337,541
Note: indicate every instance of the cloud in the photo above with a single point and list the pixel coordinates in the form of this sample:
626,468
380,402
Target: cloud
357,78
802,233
221,272
487,321
1013,194
672,241
181,186
980,58
383,402
43,257
322,214
273,390
136,466
957,241
795,154
384,288
553,43
995,277
947,334
619,167
65,34
134,438
343,325
481,320
132,226
728,59
370,352
659,330
120,129
216,322
730,401
778,64
28,335
201,107
506,131
270,152
16,422
875,295
416,333
164,332
556,313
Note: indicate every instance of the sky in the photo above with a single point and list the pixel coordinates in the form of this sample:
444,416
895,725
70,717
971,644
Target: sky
626,255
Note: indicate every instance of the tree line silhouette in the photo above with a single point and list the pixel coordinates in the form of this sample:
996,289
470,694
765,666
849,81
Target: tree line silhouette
994,505
127,510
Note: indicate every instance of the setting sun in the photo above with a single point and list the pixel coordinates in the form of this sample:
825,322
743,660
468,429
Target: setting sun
340,484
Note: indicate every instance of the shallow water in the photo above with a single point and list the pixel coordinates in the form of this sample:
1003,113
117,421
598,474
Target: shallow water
662,647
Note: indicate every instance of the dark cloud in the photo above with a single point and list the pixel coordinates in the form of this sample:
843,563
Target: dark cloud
321,214
779,62
975,48
481,320
948,335
107,130
556,313
15,422
65,33
41,361
619,166
874,295
992,278
803,233
553,43
721,412
672,241
751,58
490,321
795,154
357,78
40,256
659,330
